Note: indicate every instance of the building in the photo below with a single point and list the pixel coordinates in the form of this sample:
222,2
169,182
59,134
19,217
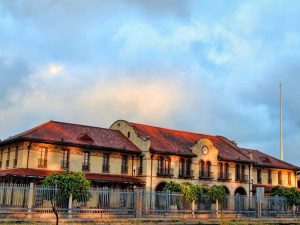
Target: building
130,154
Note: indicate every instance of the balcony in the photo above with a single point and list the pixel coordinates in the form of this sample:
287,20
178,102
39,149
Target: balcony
165,172
105,168
224,177
42,163
65,164
206,175
187,174
242,179
85,167
124,169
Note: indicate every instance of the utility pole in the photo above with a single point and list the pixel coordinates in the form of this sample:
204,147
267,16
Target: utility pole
281,132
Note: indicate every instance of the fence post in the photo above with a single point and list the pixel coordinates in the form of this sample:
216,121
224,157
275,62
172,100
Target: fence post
70,205
259,197
193,209
30,200
217,208
138,202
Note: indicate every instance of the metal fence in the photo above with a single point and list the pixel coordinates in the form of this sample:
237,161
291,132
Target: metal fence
37,199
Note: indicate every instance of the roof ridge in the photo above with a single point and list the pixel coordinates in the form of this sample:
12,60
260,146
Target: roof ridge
271,156
82,125
183,131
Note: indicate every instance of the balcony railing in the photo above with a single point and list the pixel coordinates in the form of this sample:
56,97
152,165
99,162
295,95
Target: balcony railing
165,172
85,167
224,177
187,174
124,169
206,175
65,164
105,168
42,163
242,178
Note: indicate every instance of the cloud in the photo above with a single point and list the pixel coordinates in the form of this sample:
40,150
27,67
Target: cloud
206,66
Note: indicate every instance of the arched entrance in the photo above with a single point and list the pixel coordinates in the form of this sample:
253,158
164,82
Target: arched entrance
160,186
226,203
240,191
160,198
240,199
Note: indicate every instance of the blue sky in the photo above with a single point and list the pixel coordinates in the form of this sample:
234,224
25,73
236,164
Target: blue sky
206,66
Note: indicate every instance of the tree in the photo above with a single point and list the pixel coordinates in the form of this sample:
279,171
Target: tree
172,187
291,194
216,193
66,184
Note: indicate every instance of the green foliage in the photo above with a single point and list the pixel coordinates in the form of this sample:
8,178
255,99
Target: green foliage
172,187
291,194
69,183
189,192
216,193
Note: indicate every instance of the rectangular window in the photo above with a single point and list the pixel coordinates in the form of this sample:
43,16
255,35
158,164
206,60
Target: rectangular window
8,157
289,178
86,161
259,176
43,152
124,167
279,177
269,176
105,166
65,159
16,157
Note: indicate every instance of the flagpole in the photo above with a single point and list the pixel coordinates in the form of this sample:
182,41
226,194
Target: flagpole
281,131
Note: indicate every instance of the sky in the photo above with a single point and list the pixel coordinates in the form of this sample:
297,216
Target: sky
208,66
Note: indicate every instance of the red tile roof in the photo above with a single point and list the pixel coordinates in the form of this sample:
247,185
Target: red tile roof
177,142
96,177
75,134
264,160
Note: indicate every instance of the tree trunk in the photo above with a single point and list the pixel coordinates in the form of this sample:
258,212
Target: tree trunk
54,209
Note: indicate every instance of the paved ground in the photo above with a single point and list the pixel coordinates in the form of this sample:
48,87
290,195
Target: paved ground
155,222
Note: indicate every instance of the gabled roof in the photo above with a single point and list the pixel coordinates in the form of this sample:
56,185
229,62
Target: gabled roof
264,160
167,141
78,135
94,177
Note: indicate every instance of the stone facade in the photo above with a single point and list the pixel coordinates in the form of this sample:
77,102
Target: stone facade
153,169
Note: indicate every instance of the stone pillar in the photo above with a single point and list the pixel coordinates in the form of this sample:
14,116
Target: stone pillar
70,206
217,209
260,192
138,202
193,209
30,200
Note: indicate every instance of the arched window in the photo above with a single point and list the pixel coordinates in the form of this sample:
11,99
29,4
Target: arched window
221,171
160,165
181,167
237,172
208,167
202,169
168,165
243,177
188,167
226,171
